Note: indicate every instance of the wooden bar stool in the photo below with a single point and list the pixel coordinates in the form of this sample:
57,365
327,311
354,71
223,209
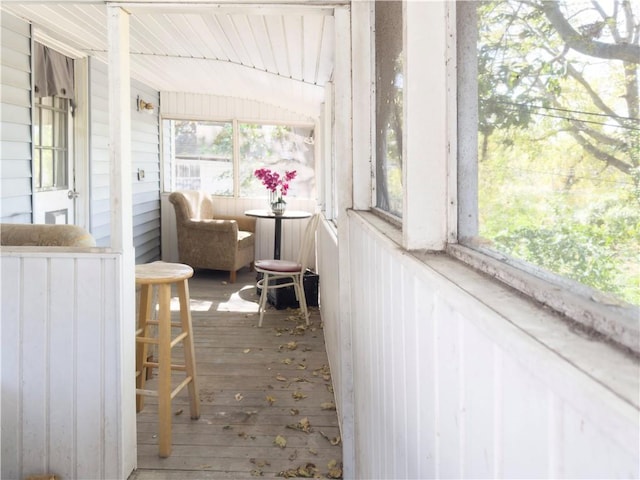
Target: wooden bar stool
162,275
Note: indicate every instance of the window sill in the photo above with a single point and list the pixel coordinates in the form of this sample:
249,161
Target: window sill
608,363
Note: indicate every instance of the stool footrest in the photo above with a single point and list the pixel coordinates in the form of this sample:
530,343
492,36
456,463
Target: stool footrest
179,338
173,366
156,322
174,392
183,384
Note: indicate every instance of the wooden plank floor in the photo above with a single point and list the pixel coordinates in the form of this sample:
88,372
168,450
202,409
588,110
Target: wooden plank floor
256,385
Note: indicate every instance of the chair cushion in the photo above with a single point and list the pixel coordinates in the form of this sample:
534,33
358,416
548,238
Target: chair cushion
245,239
278,265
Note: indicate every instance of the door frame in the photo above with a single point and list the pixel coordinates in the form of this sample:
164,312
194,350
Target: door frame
79,133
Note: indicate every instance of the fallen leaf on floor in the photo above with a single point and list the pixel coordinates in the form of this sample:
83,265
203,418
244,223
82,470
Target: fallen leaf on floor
293,456
302,366
292,345
239,396
298,395
259,462
303,425
328,406
256,472
330,388
280,441
335,470
178,412
294,411
281,378
246,350
333,441
270,399
313,451
287,361
227,427
303,471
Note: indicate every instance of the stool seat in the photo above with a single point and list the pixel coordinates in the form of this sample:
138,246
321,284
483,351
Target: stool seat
162,272
161,276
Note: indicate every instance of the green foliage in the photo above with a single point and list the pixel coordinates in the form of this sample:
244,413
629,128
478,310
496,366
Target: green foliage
559,173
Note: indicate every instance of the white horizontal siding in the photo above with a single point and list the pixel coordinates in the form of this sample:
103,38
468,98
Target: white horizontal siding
446,387
145,157
15,122
63,395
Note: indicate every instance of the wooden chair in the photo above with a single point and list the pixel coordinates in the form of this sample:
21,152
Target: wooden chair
274,270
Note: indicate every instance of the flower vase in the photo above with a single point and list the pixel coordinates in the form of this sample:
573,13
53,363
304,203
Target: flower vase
277,203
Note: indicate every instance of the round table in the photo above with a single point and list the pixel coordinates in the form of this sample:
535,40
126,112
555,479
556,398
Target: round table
287,215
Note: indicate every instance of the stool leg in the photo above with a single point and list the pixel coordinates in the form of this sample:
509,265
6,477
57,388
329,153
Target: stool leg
144,310
187,345
164,370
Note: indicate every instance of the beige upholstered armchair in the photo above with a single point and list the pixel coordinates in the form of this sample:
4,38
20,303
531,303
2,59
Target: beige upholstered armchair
208,240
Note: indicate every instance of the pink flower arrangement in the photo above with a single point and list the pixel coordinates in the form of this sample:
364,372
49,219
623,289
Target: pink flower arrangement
273,181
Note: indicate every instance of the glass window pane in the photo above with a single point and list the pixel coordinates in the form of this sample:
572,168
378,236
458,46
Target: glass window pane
280,148
37,168
46,128
558,142
203,156
60,129
47,169
61,180
389,117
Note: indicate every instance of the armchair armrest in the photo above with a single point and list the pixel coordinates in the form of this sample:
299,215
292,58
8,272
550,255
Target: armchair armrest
246,224
214,225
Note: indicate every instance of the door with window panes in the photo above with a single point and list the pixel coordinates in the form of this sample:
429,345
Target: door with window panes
54,192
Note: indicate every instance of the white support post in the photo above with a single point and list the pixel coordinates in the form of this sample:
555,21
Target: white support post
425,126
122,222
344,185
362,61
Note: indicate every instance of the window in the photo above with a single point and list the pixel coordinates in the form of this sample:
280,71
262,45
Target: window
221,157
389,118
51,143
557,163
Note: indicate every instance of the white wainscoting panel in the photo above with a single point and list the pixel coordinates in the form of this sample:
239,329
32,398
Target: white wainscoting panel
446,387
62,397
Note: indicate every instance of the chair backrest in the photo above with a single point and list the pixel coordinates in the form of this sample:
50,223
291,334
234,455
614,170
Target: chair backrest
192,205
308,241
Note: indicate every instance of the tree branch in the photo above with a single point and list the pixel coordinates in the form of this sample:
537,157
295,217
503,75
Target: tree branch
624,51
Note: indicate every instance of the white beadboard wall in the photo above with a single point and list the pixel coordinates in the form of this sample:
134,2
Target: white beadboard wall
213,107
445,387
67,407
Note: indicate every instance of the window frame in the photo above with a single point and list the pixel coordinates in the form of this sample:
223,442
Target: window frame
586,307
169,179
443,227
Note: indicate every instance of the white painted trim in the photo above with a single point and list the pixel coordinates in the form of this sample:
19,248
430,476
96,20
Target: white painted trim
363,98
452,125
344,183
81,137
45,39
425,127
122,219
